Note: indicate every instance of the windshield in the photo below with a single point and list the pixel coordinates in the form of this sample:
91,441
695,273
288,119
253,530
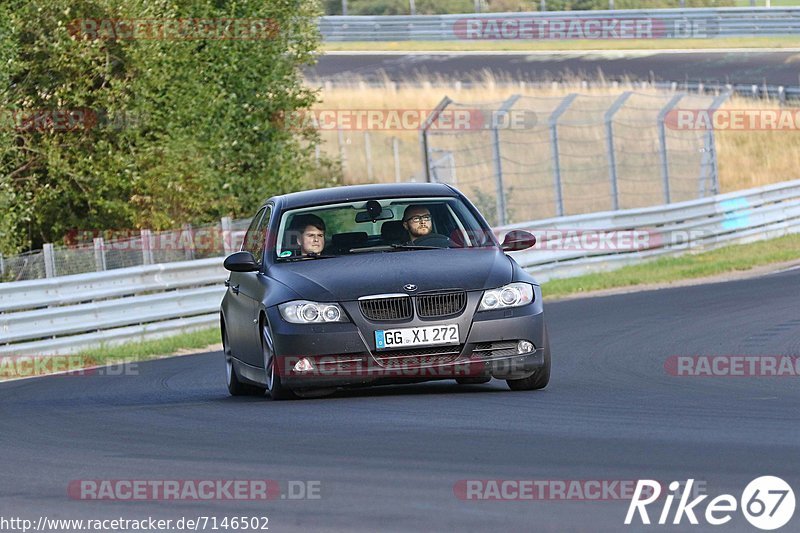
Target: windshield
381,225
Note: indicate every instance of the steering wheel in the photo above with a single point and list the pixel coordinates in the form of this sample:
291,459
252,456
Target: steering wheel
434,239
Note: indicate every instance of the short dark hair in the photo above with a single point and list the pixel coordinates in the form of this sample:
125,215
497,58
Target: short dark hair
300,222
413,206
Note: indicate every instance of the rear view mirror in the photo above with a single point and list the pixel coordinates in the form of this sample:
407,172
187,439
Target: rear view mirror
517,240
366,216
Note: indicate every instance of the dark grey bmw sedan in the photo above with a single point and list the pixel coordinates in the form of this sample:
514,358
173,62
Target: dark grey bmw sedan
378,284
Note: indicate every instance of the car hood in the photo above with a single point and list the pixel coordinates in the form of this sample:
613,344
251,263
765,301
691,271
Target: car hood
350,277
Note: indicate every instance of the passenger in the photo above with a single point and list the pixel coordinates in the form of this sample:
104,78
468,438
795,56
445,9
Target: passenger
310,233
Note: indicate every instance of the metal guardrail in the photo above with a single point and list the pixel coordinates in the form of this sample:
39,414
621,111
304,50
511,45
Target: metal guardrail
691,226
695,23
61,315
65,314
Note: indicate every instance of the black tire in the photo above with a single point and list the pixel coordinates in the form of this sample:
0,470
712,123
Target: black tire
277,391
539,379
473,381
235,386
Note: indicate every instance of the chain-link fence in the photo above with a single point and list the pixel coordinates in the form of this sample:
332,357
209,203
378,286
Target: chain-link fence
531,158
95,251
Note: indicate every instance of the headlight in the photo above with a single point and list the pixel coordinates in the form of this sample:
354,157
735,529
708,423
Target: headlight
305,312
512,295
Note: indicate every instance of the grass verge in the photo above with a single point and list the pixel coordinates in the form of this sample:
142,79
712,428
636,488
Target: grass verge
729,259
144,350
539,46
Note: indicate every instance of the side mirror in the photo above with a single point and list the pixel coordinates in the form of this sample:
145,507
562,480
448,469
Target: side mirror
517,240
241,262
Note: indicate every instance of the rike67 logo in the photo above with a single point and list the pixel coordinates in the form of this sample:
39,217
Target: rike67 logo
767,503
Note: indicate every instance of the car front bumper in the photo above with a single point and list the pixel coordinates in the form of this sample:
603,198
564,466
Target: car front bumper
341,354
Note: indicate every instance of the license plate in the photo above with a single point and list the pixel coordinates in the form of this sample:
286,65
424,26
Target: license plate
422,336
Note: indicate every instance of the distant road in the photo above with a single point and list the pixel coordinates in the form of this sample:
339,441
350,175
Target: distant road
736,66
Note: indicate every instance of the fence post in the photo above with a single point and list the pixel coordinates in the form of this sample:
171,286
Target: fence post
662,144
612,158
396,152
423,136
710,152
553,124
498,164
342,151
188,242
147,256
543,5
49,260
2,266
368,153
344,7
412,7
99,254
227,236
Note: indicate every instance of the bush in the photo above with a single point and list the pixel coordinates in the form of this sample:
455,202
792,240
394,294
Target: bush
188,130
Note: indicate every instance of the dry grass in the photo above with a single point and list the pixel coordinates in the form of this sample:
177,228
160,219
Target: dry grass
746,158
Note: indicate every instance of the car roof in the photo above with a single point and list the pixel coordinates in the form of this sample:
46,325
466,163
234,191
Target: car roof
362,192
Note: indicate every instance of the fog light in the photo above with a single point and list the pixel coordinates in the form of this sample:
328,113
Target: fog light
303,365
524,347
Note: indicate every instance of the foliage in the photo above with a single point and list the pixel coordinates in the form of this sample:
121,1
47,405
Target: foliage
177,130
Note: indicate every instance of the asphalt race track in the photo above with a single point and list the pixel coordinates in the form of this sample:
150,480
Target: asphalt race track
745,67
388,458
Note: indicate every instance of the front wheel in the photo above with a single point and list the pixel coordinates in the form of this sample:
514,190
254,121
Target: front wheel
277,391
540,378
236,387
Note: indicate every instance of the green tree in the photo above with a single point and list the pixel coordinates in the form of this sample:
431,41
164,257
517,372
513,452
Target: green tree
186,130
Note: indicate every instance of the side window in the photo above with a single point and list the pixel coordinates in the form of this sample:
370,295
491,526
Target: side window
261,235
252,243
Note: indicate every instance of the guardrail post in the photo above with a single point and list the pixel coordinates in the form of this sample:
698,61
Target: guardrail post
553,124
147,252
49,260
188,242
423,136
2,266
500,205
412,7
99,254
662,144
396,153
227,236
612,158
344,7
710,151
368,154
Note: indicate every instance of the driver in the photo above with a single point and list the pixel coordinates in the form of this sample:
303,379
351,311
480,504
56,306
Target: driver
311,233
417,222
